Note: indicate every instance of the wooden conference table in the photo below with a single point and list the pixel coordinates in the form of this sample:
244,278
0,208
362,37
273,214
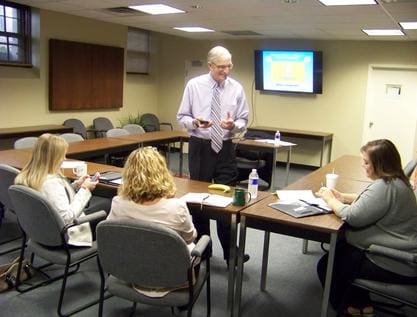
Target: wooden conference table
230,213
323,228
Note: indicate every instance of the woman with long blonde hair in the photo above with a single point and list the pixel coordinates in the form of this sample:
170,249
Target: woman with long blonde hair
43,173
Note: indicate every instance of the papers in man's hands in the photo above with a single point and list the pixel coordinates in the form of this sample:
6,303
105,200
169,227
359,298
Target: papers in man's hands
207,199
300,203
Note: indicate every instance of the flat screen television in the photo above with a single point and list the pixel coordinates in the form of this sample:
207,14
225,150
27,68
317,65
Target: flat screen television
286,71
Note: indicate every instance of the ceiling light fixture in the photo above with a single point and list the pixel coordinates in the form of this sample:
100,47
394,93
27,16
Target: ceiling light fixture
409,25
382,32
193,29
156,9
346,2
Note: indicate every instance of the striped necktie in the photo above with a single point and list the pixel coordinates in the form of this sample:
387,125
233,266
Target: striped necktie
216,130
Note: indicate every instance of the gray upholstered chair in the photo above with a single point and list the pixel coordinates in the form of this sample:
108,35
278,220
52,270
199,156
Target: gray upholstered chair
150,122
72,137
7,176
134,128
155,256
26,142
77,126
46,235
399,262
101,126
115,132
409,168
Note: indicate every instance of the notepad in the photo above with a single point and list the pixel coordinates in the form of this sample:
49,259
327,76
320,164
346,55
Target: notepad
304,195
207,199
297,209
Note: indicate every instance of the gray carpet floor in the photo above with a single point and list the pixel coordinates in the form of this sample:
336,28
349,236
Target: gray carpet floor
292,285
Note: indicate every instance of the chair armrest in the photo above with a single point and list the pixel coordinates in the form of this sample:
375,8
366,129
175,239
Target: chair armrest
167,124
392,253
90,217
201,246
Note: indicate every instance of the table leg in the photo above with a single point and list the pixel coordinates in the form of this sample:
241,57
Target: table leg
329,273
239,273
288,165
323,146
232,261
274,167
181,157
265,257
305,246
330,150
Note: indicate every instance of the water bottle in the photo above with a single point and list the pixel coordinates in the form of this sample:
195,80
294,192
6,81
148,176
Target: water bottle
253,183
277,138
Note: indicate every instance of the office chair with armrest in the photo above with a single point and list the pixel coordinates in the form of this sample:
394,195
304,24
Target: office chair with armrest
115,132
401,262
119,159
101,126
77,126
150,123
26,142
409,168
47,233
134,128
155,257
7,176
71,137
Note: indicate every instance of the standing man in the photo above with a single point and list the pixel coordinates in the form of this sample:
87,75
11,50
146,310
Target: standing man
213,109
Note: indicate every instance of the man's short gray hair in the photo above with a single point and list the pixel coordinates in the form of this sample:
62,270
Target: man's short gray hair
218,53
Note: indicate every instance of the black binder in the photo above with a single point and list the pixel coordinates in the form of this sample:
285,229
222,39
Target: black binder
298,209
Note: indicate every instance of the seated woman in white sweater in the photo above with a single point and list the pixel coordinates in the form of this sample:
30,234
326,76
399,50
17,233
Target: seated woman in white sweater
43,173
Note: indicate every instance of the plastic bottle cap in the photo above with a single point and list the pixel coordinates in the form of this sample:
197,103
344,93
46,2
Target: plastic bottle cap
253,169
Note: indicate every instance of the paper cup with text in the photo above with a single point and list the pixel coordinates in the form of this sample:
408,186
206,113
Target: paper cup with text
80,169
331,180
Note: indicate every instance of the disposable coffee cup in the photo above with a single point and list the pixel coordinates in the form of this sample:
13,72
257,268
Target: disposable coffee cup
80,170
331,180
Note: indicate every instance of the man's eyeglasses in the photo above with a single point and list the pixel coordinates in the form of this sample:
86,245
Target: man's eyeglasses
223,67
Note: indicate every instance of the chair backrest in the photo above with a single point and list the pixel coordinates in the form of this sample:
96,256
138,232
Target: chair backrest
409,168
102,125
26,142
150,122
38,219
116,132
156,256
72,137
134,128
77,126
7,176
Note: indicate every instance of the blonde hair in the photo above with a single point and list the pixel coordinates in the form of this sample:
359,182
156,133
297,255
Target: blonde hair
47,156
146,177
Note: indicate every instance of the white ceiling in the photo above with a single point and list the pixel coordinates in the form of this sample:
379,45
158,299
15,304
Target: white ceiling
289,19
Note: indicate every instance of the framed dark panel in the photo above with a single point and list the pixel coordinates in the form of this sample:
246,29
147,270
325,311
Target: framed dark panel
85,76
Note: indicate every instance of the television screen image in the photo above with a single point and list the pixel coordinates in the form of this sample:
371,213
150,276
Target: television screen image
288,71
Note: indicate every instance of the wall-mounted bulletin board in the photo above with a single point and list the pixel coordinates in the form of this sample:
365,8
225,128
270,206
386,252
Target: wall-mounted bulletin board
85,76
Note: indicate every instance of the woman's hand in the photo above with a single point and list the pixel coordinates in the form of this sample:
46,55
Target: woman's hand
327,194
88,183
81,180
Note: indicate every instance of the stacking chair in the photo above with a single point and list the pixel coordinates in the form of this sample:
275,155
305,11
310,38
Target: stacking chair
150,122
77,126
7,176
404,294
26,142
101,126
156,256
46,235
72,137
134,128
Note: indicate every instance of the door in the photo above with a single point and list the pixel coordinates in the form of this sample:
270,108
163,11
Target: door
391,108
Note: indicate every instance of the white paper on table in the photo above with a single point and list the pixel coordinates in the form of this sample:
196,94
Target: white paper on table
270,141
71,164
117,181
306,195
207,199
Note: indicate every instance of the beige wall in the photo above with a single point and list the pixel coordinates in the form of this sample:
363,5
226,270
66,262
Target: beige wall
339,110
24,92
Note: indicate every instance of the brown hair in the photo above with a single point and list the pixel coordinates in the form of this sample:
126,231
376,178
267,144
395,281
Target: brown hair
385,160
